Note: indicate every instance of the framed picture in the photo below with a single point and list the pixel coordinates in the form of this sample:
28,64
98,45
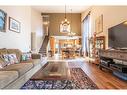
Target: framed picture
14,25
99,24
65,28
3,21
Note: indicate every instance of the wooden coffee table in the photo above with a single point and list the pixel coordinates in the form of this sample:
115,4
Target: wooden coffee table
53,71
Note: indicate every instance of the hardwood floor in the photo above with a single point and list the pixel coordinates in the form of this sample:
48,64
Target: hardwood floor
103,78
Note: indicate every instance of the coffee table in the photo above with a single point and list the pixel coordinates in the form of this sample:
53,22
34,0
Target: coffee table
52,71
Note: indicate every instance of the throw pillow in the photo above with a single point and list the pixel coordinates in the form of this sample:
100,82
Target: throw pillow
12,58
6,59
26,56
2,63
23,58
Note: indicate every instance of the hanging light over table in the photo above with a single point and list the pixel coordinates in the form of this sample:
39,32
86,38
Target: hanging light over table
65,25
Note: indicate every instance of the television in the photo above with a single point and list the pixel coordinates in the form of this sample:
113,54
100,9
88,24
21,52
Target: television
117,36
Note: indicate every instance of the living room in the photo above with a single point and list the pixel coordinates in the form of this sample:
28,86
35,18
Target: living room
72,47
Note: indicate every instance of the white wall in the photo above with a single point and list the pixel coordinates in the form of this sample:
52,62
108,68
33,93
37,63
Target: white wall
10,39
31,21
37,27
112,15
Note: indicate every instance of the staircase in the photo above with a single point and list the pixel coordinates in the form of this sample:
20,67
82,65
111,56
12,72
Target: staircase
43,49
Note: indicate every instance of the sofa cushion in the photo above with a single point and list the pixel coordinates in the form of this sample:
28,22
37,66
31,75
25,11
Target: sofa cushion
15,51
33,61
27,61
6,77
3,51
21,68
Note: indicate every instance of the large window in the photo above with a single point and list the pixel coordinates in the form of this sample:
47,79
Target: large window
86,34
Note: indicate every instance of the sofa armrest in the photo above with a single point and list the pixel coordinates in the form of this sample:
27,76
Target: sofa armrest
36,56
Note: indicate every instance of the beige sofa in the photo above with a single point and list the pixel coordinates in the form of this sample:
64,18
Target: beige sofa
16,75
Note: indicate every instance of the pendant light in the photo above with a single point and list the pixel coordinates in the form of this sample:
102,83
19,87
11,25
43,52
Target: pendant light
65,25
65,18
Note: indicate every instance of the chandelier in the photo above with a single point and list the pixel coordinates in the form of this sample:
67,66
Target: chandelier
65,25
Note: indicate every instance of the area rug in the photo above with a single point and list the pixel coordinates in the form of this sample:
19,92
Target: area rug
79,80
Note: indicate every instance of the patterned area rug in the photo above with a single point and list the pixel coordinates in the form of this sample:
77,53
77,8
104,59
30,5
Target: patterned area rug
79,80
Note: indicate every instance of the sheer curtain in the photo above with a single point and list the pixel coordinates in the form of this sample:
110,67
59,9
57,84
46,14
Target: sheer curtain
85,35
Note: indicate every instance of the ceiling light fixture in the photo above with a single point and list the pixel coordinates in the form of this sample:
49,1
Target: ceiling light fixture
65,25
65,18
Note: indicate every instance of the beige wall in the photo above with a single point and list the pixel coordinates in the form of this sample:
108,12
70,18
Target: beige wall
55,20
37,27
31,21
11,39
112,15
